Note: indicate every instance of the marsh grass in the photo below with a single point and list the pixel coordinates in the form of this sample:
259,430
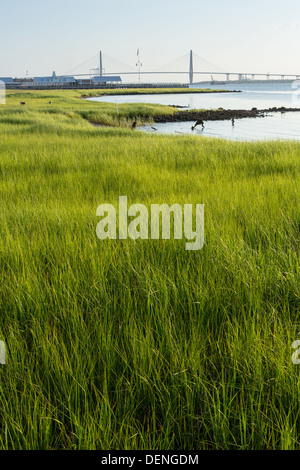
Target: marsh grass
151,91
142,345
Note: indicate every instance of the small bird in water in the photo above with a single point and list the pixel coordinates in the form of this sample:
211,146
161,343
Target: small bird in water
198,123
233,121
133,125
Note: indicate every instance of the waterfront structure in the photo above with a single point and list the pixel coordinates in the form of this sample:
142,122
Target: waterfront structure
106,79
7,80
54,80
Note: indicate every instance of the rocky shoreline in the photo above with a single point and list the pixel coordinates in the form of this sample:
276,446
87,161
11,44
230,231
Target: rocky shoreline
220,114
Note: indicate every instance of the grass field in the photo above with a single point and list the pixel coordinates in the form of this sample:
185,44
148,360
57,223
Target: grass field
143,345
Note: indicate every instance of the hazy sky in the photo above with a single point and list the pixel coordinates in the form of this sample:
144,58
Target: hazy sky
238,35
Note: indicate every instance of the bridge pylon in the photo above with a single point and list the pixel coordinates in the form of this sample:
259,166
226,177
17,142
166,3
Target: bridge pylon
191,68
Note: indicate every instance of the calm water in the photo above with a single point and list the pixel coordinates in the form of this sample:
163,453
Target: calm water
275,126
253,95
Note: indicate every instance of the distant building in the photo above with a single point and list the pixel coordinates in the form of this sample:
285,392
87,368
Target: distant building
105,79
7,80
61,81
54,80
84,81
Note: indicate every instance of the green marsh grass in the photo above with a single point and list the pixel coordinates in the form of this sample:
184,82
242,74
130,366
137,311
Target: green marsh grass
142,345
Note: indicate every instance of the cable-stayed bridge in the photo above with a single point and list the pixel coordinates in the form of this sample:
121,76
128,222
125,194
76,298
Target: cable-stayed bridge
189,68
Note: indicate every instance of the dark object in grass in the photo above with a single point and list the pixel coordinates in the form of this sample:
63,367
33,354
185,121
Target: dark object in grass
22,103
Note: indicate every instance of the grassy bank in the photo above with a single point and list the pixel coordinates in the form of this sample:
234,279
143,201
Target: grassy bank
71,105
153,91
49,105
142,345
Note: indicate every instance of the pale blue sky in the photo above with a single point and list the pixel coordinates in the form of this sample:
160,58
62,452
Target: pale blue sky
41,36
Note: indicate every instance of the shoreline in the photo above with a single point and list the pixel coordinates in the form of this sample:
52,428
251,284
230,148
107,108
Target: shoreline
159,91
220,114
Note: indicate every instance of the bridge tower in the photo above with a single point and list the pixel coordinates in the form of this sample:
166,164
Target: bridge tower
191,68
101,67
